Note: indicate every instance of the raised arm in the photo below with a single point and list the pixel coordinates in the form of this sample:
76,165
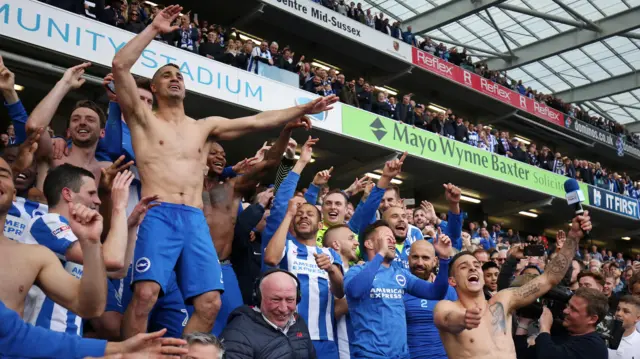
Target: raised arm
43,113
274,252
134,110
133,222
11,100
86,297
438,289
226,129
554,271
271,160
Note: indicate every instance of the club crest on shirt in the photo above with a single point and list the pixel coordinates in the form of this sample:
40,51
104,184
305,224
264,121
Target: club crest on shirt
401,280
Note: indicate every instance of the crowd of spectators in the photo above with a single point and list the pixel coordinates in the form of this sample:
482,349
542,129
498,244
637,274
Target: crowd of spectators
290,270
214,41
463,59
227,46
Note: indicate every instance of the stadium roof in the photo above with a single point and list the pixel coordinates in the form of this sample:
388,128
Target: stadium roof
584,51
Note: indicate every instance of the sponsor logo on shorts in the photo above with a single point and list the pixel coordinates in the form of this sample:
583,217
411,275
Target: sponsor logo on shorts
401,280
143,264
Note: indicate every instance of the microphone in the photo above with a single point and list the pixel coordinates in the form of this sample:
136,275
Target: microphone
575,197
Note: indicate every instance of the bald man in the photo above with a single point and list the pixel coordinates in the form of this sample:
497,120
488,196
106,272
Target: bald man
422,335
250,331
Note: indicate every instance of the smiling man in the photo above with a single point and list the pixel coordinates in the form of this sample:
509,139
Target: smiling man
86,127
406,234
473,327
175,235
375,294
319,271
422,335
222,202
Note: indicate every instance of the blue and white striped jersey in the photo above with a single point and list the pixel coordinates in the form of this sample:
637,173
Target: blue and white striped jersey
20,214
344,331
472,138
317,304
402,252
53,231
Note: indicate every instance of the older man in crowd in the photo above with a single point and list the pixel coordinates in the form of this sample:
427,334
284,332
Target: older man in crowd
273,329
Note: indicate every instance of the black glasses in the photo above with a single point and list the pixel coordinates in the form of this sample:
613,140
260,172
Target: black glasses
134,14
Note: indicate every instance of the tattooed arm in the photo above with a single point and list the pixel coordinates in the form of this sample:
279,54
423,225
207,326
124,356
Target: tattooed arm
554,271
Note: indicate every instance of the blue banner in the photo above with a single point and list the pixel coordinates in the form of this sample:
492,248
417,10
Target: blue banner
613,202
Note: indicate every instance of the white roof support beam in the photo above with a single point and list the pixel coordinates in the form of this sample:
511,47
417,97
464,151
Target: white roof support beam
577,15
614,25
447,13
541,15
600,89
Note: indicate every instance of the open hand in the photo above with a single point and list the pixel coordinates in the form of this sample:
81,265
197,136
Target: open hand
245,165
320,104
163,20
152,345
73,76
259,156
321,178
430,211
140,210
120,189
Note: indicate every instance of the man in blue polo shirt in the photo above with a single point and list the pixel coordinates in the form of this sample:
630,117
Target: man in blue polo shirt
422,335
375,293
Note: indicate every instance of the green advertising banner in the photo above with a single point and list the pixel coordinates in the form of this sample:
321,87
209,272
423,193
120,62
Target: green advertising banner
398,136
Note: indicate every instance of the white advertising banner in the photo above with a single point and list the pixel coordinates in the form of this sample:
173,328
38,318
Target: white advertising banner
344,26
49,27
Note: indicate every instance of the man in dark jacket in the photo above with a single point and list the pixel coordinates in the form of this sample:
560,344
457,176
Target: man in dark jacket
365,97
348,94
274,330
462,132
404,111
246,255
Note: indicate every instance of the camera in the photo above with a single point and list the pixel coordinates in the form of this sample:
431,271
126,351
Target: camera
556,300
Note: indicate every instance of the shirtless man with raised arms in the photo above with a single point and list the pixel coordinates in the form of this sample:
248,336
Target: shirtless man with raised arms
171,156
221,204
473,327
